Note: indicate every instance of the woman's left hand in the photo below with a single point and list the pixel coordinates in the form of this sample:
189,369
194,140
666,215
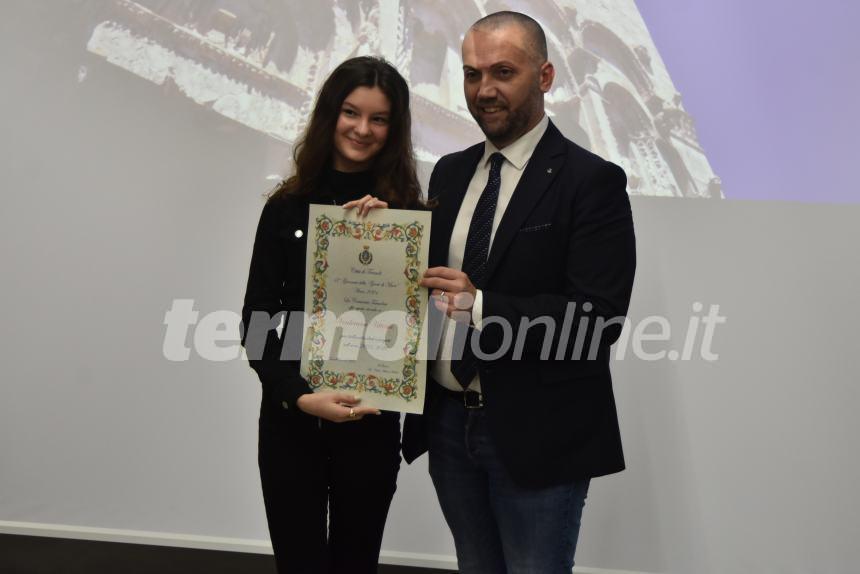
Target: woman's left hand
365,204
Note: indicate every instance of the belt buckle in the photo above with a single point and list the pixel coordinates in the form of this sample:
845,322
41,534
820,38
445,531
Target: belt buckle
472,400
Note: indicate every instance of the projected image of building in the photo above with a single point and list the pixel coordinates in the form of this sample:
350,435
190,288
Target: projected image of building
260,63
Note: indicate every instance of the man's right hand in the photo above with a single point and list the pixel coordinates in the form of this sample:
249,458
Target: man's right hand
334,407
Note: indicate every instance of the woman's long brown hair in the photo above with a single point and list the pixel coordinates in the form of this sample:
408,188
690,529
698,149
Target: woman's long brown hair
393,168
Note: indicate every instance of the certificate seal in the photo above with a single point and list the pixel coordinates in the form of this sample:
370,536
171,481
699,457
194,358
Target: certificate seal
365,257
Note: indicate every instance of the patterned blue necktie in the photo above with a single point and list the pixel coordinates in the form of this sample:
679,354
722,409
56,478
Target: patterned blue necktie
474,263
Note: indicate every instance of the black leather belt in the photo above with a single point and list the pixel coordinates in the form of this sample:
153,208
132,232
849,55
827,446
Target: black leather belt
469,399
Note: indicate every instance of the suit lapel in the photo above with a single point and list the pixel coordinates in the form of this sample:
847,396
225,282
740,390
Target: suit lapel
542,168
452,189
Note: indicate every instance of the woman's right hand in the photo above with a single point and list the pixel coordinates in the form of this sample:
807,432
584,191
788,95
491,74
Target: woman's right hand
334,407
365,204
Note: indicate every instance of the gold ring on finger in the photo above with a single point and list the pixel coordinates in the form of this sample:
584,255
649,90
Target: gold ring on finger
352,413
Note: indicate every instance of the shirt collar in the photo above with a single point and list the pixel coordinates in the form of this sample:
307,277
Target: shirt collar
519,152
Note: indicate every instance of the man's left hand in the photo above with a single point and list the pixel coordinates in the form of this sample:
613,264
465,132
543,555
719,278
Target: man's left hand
452,292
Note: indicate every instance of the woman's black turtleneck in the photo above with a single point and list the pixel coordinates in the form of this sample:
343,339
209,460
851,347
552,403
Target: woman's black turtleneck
342,186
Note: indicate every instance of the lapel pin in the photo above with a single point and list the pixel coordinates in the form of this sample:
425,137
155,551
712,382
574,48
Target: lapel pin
549,170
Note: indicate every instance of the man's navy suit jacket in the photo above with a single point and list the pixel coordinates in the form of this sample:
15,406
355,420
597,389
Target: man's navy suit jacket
564,248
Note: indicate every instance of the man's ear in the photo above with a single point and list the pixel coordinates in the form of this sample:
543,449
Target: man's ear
546,75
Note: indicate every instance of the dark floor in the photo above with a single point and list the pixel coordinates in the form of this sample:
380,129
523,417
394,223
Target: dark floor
37,555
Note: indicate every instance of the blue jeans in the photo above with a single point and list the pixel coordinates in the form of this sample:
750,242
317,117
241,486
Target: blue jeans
498,526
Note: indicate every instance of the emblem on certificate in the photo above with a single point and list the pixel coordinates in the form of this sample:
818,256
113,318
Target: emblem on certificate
365,331
365,257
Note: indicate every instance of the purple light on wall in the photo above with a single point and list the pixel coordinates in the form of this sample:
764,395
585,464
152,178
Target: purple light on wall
773,89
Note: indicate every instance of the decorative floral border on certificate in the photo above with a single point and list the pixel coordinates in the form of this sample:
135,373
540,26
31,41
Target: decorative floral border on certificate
410,235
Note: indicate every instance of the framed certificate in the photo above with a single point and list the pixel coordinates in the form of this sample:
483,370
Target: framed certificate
366,331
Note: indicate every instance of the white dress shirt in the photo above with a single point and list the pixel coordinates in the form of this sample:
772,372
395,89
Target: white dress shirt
517,155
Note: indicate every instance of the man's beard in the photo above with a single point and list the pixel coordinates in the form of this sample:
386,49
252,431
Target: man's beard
511,128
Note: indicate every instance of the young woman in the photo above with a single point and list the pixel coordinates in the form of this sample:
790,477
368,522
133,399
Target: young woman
328,465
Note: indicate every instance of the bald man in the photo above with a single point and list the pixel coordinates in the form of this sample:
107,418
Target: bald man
532,258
